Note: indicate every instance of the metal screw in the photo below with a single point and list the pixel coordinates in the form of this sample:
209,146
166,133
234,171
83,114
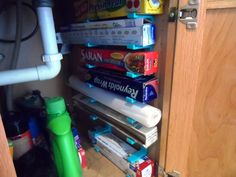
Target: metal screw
172,14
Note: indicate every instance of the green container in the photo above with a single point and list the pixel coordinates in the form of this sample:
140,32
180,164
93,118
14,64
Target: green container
64,149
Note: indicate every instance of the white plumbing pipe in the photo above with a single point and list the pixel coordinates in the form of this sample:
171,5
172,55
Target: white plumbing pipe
51,56
48,34
147,115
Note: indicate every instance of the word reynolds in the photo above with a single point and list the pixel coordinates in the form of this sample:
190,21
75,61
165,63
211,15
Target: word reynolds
117,87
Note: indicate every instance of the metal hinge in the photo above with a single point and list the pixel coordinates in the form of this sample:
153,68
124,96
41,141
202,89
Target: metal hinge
188,14
173,14
163,173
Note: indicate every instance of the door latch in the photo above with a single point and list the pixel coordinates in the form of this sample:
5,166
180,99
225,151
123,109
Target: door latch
188,14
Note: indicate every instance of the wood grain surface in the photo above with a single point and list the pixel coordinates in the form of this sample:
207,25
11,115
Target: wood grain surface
219,4
6,164
98,165
166,46
213,142
201,138
184,88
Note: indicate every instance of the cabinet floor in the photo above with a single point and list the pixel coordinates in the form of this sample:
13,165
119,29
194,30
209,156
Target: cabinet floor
100,166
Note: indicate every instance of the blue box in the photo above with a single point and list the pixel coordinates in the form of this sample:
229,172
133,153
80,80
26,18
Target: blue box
143,89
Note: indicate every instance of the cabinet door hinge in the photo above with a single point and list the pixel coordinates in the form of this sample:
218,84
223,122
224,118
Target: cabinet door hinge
163,173
188,14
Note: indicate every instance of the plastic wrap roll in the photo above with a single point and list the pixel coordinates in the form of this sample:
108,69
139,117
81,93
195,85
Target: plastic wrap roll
145,114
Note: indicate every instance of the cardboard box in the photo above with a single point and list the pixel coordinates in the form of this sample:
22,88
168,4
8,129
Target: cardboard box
144,168
103,9
118,151
144,63
82,157
82,10
121,23
140,36
143,88
141,134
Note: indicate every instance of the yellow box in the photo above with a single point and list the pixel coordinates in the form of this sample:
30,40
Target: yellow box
121,8
104,9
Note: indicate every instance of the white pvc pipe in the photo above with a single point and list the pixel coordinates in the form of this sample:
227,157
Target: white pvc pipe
49,71
18,76
48,33
147,115
42,72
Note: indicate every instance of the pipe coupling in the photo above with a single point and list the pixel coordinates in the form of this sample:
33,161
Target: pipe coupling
52,57
43,3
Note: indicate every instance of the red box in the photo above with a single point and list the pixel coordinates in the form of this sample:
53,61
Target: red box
142,168
82,157
144,63
145,169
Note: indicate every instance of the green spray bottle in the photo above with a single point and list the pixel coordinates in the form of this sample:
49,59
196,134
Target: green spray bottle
64,150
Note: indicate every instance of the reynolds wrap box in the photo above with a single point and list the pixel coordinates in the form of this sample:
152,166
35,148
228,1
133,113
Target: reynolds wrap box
102,9
144,63
143,88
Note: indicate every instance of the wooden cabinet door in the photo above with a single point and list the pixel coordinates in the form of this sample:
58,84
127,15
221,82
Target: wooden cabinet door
201,139
6,164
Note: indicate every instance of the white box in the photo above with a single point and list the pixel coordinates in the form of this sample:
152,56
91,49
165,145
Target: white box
108,24
139,36
118,151
147,136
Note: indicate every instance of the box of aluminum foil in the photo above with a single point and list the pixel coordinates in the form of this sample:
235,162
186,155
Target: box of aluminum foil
143,89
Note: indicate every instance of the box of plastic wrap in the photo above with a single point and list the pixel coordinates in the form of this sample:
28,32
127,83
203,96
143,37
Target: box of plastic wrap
144,63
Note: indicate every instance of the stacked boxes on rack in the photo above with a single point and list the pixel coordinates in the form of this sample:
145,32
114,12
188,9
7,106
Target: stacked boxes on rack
132,129
121,33
128,73
114,62
132,162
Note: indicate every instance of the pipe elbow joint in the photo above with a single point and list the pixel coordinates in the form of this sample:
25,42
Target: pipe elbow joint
49,71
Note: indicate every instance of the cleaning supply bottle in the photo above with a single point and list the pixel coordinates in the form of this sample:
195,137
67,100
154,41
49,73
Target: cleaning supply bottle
17,130
64,150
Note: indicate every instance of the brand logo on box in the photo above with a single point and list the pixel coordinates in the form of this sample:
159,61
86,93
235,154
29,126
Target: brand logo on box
91,56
